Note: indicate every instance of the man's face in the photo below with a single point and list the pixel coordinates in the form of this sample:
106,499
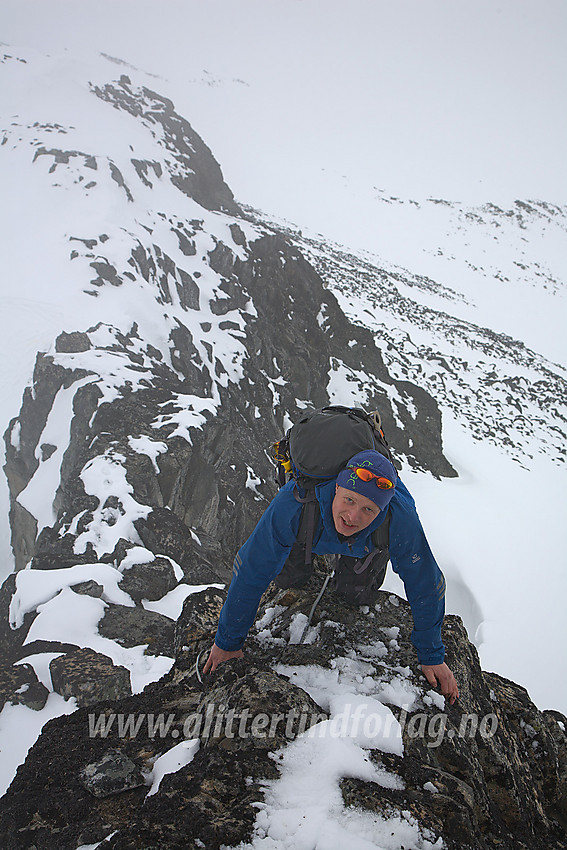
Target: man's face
352,512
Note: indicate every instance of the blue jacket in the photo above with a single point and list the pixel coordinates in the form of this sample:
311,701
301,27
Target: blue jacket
263,555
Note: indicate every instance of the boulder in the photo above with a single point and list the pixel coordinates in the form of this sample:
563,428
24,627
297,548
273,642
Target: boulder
89,588
20,686
89,677
198,618
149,581
136,626
113,773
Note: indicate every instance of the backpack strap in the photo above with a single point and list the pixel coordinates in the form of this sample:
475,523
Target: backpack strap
309,516
298,567
381,537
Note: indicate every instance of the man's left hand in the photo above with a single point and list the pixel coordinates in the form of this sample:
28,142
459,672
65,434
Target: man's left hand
440,674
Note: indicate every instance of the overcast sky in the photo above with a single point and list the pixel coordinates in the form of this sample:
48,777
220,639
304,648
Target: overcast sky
302,100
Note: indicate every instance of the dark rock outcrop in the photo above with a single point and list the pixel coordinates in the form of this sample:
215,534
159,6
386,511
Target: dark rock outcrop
194,170
488,772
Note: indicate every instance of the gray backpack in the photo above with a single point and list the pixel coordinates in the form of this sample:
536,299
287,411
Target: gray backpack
314,450
321,443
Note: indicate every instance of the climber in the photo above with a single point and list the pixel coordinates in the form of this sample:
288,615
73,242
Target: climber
352,508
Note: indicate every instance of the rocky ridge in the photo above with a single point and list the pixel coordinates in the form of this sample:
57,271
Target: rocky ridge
488,772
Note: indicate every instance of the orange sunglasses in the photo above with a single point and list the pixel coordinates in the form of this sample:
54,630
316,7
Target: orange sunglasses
367,475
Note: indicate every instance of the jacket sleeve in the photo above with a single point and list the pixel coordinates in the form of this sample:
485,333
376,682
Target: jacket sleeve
424,582
258,561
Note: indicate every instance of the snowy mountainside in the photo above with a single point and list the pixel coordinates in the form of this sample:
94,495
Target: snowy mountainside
505,256
139,246
168,340
180,340
147,241
490,382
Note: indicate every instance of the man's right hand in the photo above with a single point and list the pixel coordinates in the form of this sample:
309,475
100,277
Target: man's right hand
440,674
217,656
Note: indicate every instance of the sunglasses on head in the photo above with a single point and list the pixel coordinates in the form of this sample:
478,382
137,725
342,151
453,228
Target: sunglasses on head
366,475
